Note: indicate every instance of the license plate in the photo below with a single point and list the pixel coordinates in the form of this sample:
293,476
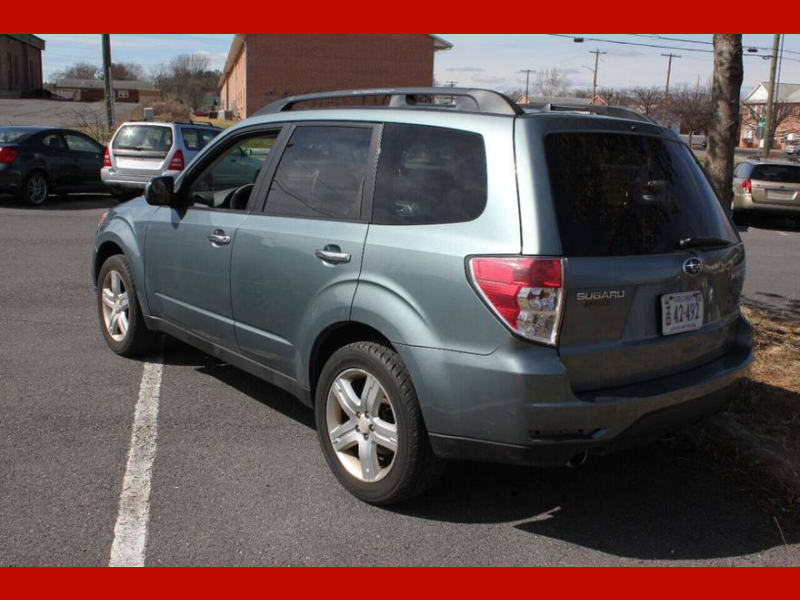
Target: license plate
681,312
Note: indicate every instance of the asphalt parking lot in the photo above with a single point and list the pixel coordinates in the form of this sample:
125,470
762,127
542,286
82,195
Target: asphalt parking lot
238,477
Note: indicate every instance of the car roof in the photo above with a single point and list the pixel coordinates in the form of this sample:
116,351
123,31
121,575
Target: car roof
171,123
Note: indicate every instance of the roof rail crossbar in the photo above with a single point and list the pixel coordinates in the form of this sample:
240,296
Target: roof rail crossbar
463,99
609,111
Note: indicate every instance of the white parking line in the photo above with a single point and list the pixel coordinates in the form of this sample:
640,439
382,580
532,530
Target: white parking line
130,530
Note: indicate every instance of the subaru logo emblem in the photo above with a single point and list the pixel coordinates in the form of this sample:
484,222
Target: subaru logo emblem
693,266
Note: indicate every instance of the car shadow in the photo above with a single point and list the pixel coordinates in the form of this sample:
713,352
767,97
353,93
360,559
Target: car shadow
771,222
657,502
67,202
775,306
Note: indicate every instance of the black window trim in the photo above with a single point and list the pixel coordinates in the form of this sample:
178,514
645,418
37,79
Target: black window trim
365,214
217,151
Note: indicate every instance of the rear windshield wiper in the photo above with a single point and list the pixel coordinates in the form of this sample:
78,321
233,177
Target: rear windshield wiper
702,242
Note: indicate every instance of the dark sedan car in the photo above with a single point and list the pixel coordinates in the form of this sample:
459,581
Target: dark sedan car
38,161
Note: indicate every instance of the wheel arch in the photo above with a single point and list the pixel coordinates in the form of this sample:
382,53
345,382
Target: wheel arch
337,336
117,237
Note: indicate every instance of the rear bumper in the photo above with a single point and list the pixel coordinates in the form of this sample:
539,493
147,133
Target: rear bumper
744,203
516,404
10,180
116,180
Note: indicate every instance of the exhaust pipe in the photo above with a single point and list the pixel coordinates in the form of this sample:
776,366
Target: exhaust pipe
578,460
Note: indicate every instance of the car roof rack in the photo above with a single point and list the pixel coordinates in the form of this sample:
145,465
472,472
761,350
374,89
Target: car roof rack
461,99
608,111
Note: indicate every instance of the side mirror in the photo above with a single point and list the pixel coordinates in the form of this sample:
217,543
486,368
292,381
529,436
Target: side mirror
161,191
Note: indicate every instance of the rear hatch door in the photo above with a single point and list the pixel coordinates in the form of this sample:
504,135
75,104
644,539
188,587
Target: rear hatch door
776,184
141,150
654,268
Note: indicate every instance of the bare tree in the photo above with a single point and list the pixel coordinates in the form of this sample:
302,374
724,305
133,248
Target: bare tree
646,99
613,96
724,127
551,83
79,70
692,107
127,71
781,111
187,77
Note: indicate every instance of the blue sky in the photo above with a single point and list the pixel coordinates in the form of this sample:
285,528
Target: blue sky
481,60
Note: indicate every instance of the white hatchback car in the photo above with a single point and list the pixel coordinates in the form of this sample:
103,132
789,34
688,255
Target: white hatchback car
142,150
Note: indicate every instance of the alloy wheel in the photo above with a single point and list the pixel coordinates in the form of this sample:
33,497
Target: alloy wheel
116,308
361,425
36,188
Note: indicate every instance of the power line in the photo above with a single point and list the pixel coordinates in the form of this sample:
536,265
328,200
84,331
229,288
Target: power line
659,46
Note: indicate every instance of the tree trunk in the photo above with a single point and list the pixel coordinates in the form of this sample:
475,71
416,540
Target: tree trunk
723,133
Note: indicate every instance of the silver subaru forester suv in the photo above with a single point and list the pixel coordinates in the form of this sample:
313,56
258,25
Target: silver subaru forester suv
139,151
445,276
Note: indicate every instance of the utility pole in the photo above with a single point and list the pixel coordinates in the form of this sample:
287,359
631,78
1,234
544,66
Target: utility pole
597,54
666,91
771,95
107,81
527,83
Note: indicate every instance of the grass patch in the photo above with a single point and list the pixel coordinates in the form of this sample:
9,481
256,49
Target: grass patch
758,438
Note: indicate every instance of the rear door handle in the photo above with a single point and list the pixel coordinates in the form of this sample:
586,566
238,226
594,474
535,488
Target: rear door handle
218,238
332,254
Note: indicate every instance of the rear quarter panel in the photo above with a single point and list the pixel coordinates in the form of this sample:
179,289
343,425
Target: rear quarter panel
413,285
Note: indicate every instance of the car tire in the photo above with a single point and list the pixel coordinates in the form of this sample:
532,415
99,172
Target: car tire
363,460
121,319
35,189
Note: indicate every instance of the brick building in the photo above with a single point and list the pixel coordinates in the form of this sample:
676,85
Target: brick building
787,111
264,67
20,63
93,90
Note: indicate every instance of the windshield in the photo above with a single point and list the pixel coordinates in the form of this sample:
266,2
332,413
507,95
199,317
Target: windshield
623,194
153,138
11,135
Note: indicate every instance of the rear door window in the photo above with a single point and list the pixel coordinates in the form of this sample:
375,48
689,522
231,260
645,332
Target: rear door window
621,194
322,173
429,175
145,138
196,139
778,173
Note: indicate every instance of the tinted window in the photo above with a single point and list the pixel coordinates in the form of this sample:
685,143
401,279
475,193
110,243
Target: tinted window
780,173
228,180
429,175
321,173
81,144
152,138
9,135
53,140
618,194
196,139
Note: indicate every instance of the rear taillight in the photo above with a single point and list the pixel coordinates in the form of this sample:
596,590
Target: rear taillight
747,186
176,164
8,155
526,293
106,158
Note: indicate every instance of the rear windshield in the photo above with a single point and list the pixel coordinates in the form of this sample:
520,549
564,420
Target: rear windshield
152,138
10,135
781,173
622,194
196,139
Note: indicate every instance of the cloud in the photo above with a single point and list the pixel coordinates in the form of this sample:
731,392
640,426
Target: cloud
467,69
488,79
